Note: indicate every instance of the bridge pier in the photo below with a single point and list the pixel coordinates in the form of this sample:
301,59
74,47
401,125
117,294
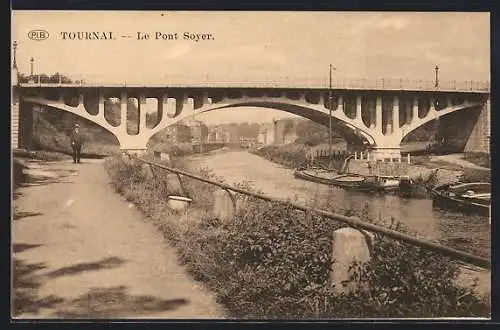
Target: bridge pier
383,153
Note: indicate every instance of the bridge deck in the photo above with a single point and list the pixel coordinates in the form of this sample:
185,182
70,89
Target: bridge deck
354,84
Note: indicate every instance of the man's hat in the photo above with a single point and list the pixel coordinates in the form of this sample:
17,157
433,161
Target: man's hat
76,126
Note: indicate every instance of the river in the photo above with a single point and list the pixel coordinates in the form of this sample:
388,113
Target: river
464,232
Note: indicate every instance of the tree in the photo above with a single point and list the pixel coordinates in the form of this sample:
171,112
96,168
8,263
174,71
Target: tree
204,132
244,129
254,130
44,78
183,133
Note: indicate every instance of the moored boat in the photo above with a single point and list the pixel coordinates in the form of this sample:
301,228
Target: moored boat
349,181
464,197
383,183
316,175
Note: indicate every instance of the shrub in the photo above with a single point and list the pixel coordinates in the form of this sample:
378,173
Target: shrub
478,158
292,155
473,175
407,281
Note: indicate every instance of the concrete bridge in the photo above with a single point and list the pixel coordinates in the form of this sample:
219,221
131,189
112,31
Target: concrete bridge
375,113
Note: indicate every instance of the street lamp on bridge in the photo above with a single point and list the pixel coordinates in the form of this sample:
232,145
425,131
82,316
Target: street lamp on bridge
437,76
14,61
31,79
32,60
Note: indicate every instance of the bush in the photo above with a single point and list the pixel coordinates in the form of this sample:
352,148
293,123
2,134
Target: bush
292,156
272,261
478,158
408,281
473,175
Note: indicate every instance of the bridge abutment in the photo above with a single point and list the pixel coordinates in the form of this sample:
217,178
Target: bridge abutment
479,139
14,119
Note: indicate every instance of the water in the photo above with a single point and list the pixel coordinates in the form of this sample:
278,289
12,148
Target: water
469,233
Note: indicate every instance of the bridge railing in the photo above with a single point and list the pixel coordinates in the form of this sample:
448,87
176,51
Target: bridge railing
289,82
351,221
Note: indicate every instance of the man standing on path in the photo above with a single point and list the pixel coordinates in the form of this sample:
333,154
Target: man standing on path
76,143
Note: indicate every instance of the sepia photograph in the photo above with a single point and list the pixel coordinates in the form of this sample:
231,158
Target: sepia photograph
250,165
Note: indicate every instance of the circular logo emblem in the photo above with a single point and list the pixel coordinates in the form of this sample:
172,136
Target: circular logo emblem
38,35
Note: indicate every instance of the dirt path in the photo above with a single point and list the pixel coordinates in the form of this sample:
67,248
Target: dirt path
80,251
458,159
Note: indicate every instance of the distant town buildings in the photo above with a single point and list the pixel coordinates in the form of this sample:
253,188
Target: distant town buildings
277,132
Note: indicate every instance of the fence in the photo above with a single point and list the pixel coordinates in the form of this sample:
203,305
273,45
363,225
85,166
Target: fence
288,82
356,155
351,221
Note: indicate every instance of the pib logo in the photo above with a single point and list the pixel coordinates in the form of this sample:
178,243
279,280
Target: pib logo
38,35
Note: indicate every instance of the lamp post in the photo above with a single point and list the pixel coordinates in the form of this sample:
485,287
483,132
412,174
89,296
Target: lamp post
330,102
437,76
15,73
31,78
14,62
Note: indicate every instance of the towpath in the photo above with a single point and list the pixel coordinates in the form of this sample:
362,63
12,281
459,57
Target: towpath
459,160
81,251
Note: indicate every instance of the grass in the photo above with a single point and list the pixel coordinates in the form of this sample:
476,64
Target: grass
427,161
475,175
271,261
294,156
477,158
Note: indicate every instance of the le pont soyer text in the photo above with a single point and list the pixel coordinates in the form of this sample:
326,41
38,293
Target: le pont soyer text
196,37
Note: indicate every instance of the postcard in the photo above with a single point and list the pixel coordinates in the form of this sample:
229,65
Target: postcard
250,165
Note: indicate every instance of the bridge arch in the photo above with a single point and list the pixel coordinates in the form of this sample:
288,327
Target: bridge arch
435,114
314,112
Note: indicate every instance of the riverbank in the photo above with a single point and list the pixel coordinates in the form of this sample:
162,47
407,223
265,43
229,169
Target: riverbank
293,156
266,263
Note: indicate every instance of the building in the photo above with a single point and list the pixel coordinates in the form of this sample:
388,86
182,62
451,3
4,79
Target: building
266,134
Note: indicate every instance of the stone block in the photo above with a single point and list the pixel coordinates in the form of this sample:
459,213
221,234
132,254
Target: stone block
349,245
223,207
146,171
165,157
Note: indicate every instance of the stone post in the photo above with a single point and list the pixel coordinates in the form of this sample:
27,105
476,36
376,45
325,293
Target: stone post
223,207
349,245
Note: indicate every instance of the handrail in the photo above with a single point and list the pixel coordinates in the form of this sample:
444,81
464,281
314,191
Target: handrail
287,82
352,221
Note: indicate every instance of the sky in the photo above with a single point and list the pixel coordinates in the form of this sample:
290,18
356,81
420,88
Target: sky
256,46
